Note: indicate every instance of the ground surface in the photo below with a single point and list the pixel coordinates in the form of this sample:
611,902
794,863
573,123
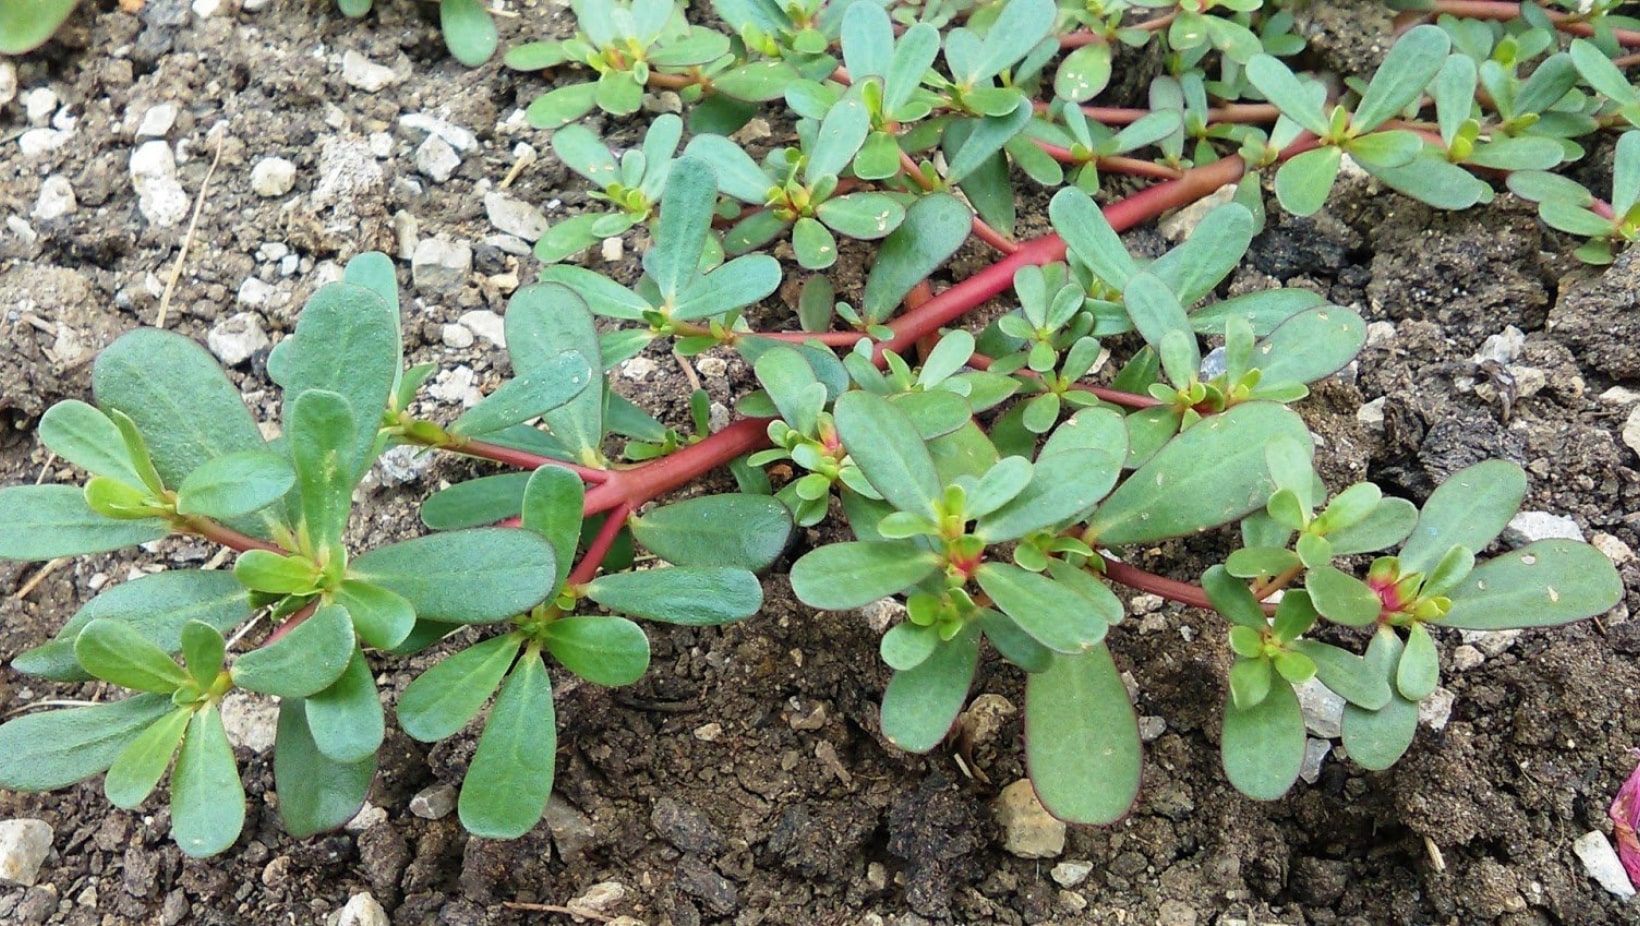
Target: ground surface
743,781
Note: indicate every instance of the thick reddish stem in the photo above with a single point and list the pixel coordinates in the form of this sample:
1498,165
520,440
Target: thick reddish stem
633,487
523,459
1249,113
1497,10
292,622
1113,396
226,536
598,549
1171,589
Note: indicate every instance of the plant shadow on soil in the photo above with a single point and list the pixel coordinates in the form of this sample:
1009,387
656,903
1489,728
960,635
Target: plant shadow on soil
743,780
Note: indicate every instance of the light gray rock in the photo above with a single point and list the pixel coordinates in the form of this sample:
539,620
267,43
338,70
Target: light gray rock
403,464
39,104
157,121
1631,427
361,910
485,324
1070,874
509,244
1028,830
36,142
434,802
348,173
1502,348
440,265
1531,526
1602,863
24,845
251,722
363,74
1372,414
457,337
1380,334
514,217
8,82
1466,657
1177,225
1435,710
205,9
436,160
273,177
236,338
255,293
1491,642
369,815
637,369
1315,753
56,199
1151,728
421,125
160,197
407,232
1615,549
572,831
1323,710
600,897
455,386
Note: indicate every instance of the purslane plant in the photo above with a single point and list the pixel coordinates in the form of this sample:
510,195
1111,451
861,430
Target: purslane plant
1001,479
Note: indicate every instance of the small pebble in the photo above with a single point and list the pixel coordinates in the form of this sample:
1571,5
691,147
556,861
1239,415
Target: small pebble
363,74
273,177
8,82
1435,710
24,845
421,125
381,144
456,336
515,217
368,816
1466,657
160,197
236,338
157,121
487,325
1531,526
436,160
1601,862
1490,642
440,265
1616,550
638,369
599,897
1070,874
39,104
613,249
362,910
709,732
712,366
56,199
1315,752
434,803
1631,430
255,293
1323,710
1028,830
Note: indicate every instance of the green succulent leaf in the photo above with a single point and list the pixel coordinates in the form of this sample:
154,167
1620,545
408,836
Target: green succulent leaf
1419,670
543,321
1296,99
381,618
316,793
437,573
476,502
747,531
1172,496
469,32
874,570
1089,236
934,228
552,506
1470,509
1082,738
84,436
1263,744
1053,613
53,749
1411,64
526,396
1302,184
1084,73
235,484
25,26
1543,584
608,651
207,798
443,699
345,719
1342,598
510,778
322,431
48,521
1375,739
1077,467
561,106
1346,674
306,660
922,703
119,653
882,440
693,596
142,763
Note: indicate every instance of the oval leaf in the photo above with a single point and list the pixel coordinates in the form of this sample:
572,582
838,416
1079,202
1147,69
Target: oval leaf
748,531
438,573
303,661
1263,745
608,651
48,521
510,777
693,596
1082,739
840,576
207,798
444,698
316,793
921,704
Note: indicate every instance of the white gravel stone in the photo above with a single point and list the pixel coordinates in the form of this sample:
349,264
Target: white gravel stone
1028,830
363,74
157,121
421,125
882,613
485,324
24,845
600,897
1616,550
1380,334
434,802
251,722
1372,414
436,160
1602,863
455,386
255,293
1631,430
456,336
1070,874
205,9
381,144
638,369
712,366
56,199
362,910
1315,753
612,250
19,227
440,265
273,177
1491,642
709,732
234,339
1466,657
402,465
1151,728
36,142
160,196
1502,348
39,104
8,82
1323,709
515,217
1530,526
407,232
509,244
717,417
1620,395
368,816
1435,710
1177,225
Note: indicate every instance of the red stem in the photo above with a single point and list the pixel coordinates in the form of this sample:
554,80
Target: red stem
1230,112
292,622
523,459
633,487
1171,589
226,536
598,549
1497,10
1113,396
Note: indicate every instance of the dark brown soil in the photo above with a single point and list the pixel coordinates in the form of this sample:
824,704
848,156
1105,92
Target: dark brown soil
744,780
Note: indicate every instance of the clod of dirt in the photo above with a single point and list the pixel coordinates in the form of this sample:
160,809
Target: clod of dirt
1598,317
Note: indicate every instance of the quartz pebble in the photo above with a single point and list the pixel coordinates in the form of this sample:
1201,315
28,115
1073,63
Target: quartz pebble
24,845
236,338
1028,830
514,217
362,910
1601,861
485,324
436,160
272,177
1531,526
160,197
1070,874
434,803
363,74
421,125
157,121
55,200
456,336
440,265
1323,710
